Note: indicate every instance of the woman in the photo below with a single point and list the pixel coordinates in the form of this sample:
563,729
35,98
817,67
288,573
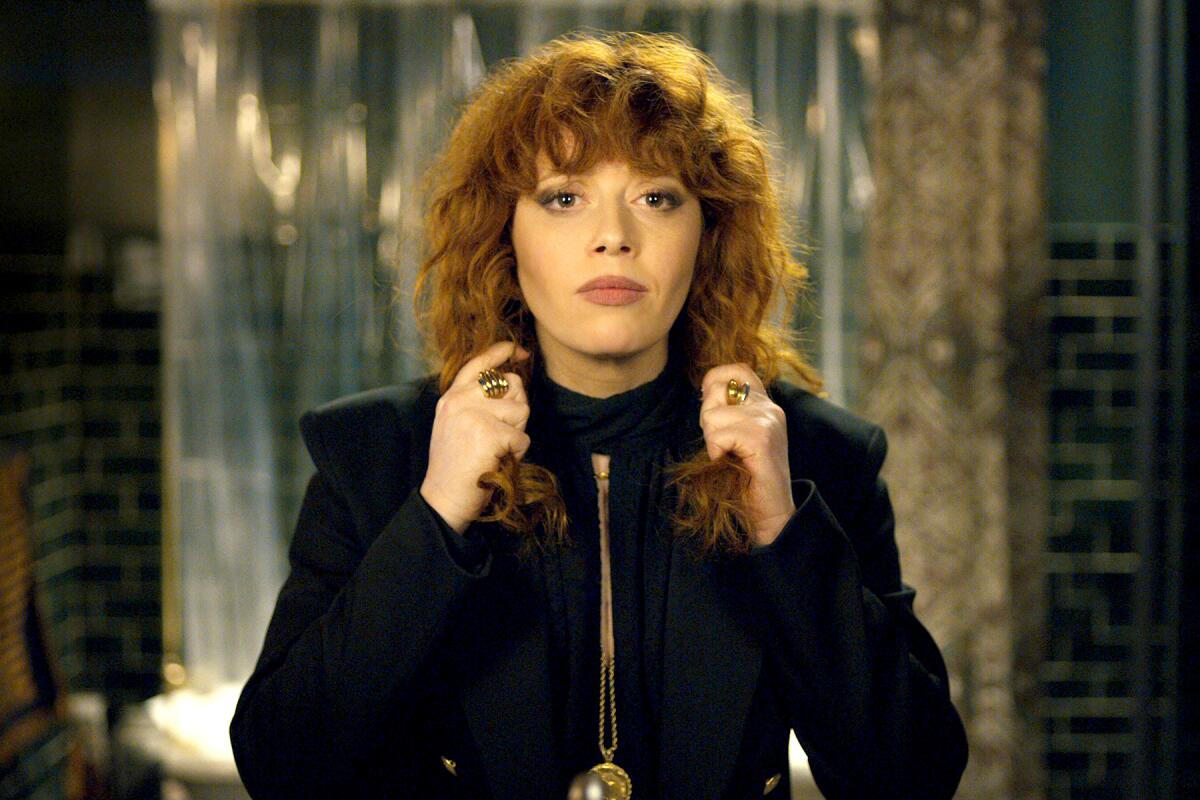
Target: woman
606,501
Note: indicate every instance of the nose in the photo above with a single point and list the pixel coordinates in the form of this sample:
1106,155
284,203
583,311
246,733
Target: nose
614,231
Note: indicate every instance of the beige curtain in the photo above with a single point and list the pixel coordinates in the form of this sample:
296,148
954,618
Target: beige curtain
953,353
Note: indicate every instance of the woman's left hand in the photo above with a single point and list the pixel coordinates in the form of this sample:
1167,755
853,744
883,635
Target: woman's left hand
756,431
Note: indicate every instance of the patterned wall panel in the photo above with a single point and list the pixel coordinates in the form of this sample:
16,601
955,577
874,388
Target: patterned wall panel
953,353
1091,563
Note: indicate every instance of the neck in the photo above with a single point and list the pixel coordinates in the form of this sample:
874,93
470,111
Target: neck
602,376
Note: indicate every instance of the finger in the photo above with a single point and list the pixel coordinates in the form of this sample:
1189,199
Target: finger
491,357
734,440
717,399
518,445
763,413
512,413
719,442
713,387
720,416
516,388
472,390
507,439
718,378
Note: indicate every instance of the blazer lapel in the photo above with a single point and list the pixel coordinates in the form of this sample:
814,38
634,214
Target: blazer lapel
711,666
506,695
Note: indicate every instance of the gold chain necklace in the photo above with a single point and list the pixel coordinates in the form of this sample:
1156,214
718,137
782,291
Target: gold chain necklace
617,783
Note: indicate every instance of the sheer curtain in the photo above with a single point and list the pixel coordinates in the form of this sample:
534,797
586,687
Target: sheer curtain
292,138
290,142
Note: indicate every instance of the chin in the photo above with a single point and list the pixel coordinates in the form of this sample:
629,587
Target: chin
605,340
611,353
610,349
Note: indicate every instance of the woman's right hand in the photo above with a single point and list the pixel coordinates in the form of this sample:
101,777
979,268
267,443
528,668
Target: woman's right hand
471,432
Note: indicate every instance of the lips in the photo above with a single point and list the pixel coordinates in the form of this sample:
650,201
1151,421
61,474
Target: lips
612,282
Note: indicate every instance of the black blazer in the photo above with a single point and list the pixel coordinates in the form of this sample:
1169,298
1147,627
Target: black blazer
388,670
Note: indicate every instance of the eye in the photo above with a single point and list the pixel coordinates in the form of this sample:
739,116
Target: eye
558,200
659,198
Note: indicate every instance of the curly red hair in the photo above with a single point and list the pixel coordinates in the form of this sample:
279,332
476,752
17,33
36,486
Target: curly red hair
657,103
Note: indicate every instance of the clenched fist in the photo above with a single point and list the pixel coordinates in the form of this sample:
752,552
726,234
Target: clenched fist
471,433
755,431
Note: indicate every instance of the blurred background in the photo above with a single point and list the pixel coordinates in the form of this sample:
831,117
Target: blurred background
208,210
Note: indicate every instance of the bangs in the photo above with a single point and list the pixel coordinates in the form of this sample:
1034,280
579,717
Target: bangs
594,104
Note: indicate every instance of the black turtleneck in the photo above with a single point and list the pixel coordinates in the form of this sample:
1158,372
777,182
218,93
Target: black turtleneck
642,430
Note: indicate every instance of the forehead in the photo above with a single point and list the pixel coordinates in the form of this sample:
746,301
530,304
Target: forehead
546,168
572,160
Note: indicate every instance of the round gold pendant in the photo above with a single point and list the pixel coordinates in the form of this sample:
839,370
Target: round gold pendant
617,784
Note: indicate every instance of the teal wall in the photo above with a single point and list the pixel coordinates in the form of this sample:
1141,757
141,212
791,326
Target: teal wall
1089,110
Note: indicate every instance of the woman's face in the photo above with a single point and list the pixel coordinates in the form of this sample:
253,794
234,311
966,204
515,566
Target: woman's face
614,226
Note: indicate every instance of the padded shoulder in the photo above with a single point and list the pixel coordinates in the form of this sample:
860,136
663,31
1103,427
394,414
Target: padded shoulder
373,445
369,409
820,422
837,450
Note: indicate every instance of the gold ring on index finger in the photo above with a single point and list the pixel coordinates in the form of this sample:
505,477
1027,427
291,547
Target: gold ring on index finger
735,393
494,384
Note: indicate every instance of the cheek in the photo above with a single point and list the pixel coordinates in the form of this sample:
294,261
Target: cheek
525,254
538,279
532,274
683,285
684,268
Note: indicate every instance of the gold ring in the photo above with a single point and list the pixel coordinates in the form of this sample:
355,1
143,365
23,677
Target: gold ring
735,394
494,384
